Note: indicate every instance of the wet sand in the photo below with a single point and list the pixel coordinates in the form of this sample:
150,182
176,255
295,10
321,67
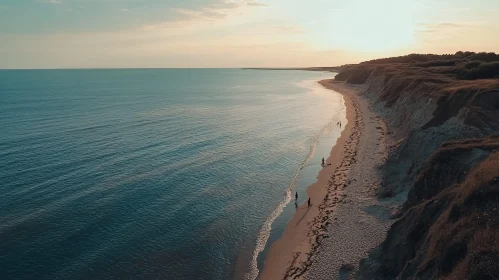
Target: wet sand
345,220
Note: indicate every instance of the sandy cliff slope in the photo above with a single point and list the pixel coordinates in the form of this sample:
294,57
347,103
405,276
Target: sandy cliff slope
442,113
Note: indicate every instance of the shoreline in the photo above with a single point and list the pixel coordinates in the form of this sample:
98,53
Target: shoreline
292,254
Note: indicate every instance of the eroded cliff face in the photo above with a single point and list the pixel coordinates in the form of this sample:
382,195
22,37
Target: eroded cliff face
423,110
450,228
451,183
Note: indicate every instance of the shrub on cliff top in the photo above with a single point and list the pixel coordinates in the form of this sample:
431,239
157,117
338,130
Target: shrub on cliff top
472,64
487,70
435,63
443,58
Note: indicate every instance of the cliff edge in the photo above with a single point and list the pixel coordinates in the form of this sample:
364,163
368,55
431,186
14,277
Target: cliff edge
442,114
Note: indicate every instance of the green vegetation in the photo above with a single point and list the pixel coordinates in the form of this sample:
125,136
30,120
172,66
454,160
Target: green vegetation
463,65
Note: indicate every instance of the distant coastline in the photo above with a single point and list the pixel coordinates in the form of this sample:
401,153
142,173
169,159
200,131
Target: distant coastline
328,69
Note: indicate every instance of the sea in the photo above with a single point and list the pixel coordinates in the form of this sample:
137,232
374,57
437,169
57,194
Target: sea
155,173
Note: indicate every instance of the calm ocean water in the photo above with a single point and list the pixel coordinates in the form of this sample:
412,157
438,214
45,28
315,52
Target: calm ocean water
154,174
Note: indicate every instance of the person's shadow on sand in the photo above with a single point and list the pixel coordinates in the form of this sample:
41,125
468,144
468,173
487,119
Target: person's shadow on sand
304,214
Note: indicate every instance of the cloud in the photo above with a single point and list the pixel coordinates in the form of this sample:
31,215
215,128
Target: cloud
57,2
256,4
207,15
451,25
444,32
225,5
434,28
447,27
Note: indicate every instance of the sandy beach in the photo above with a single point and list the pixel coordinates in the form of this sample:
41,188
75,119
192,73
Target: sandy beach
345,220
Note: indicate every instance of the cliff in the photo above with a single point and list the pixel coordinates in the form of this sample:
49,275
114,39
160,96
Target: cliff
450,227
442,113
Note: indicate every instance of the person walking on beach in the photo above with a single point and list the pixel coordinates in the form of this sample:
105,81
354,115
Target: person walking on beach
323,162
296,196
309,202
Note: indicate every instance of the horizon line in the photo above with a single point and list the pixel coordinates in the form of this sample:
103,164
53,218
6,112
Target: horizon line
146,68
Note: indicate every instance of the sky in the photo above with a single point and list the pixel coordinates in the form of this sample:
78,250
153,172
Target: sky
237,33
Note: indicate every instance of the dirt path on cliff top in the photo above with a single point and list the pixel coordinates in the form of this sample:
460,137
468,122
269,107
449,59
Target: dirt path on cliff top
360,221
